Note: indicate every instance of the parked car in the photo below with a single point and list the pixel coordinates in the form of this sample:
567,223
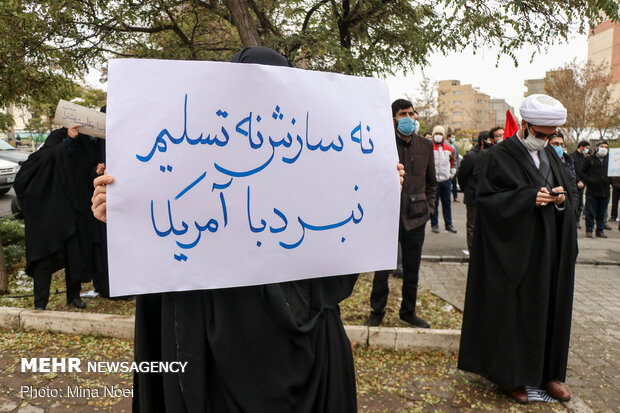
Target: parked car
9,153
8,170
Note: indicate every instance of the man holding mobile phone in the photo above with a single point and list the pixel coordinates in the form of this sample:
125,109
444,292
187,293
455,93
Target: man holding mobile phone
518,304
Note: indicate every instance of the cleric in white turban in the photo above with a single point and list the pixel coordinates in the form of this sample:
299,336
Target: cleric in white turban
518,303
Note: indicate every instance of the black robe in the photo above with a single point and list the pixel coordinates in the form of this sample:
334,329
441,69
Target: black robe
518,304
268,348
271,348
54,189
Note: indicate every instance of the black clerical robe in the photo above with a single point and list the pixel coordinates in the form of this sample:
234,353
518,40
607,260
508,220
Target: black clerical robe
269,348
518,304
54,188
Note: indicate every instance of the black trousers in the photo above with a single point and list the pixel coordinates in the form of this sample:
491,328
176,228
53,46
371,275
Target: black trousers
411,243
615,196
42,284
455,190
579,209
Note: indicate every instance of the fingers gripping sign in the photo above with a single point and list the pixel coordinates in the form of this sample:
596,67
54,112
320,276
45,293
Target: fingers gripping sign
99,196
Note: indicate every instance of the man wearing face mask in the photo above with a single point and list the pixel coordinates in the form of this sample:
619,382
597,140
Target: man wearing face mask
445,169
468,180
557,144
594,174
416,204
497,134
518,303
416,118
457,164
582,152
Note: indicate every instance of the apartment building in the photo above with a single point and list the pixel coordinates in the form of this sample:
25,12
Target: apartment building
464,106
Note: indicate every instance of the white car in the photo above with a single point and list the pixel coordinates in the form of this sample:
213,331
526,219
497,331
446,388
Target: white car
8,170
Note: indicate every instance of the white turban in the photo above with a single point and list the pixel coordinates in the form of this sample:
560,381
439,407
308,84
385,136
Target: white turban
543,110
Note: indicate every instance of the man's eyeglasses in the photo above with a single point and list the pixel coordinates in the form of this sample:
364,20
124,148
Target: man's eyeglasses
541,135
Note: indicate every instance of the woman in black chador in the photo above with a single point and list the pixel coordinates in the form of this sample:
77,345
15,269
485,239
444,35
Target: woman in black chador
268,348
54,188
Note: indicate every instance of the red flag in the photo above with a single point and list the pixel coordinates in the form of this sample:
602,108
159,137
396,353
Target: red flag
511,126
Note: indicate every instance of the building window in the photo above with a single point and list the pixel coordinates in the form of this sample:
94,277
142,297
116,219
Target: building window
457,102
479,100
457,113
457,123
457,92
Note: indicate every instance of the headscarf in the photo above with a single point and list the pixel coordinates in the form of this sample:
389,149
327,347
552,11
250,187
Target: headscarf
261,55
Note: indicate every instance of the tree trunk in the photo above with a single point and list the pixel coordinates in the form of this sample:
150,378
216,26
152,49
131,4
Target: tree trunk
242,19
4,282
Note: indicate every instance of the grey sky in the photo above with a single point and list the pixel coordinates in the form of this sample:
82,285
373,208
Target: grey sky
504,81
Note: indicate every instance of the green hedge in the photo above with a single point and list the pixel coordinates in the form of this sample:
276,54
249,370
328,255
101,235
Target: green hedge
13,241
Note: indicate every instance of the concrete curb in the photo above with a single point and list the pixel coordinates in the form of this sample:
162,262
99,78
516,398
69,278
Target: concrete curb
405,339
107,325
117,326
464,259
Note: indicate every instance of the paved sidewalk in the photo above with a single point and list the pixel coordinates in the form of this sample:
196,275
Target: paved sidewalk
594,361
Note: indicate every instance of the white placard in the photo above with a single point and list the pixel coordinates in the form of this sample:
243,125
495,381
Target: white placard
613,169
92,121
239,174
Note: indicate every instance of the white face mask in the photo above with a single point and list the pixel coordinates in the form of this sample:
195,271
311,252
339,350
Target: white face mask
602,152
438,138
532,143
417,127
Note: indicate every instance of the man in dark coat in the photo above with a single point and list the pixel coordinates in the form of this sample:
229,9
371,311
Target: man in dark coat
518,304
594,174
468,181
54,188
417,201
580,154
268,348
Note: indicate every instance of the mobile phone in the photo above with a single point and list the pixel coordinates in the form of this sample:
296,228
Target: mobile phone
557,193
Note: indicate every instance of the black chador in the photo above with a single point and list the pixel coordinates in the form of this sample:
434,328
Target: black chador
269,348
54,188
518,305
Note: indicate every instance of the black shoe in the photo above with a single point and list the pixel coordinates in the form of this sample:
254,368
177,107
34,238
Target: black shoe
435,229
77,303
589,234
450,228
600,234
414,321
607,227
374,320
39,308
578,225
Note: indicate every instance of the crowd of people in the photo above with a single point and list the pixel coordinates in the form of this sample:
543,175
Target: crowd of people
282,347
